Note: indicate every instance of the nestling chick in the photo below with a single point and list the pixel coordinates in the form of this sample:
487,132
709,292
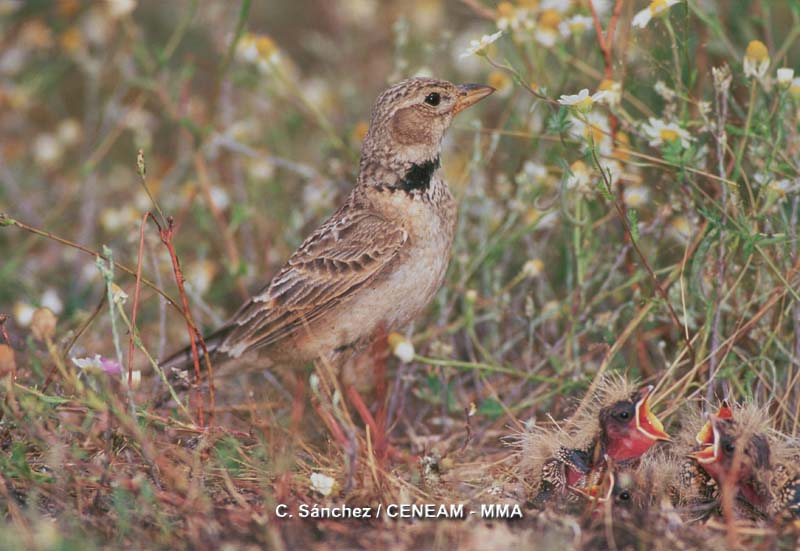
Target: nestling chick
634,503
744,456
617,425
696,491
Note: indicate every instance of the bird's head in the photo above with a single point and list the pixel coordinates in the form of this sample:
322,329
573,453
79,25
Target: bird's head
628,426
733,448
410,118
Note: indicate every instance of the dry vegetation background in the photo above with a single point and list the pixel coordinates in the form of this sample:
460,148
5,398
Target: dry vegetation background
681,269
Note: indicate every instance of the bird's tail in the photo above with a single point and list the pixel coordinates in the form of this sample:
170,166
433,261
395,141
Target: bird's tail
183,360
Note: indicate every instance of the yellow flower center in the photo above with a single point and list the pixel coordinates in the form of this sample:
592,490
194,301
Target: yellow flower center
607,84
577,27
579,168
498,80
657,6
265,46
71,40
69,8
594,131
550,19
623,143
756,51
681,225
505,9
668,135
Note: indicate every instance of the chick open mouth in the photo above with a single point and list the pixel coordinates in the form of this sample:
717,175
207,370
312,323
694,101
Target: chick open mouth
706,433
646,421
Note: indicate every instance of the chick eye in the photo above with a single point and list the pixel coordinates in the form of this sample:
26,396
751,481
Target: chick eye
624,496
433,99
728,448
623,415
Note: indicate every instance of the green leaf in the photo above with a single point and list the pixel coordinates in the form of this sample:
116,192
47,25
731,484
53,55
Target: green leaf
633,222
491,408
558,123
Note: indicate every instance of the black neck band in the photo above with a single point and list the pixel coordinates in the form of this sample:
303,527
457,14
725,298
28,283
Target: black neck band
418,176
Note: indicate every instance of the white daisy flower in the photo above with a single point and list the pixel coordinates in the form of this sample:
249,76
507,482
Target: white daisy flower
613,92
794,88
120,8
655,9
756,60
577,25
593,126
785,76
401,347
613,170
511,17
118,296
560,6
322,483
476,47
680,228
532,172
545,36
219,197
782,187
69,132
581,101
664,91
580,178
23,313
47,150
635,196
533,268
660,132
99,364
51,300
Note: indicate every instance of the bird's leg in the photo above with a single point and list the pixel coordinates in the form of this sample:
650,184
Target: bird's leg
332,424
377,428
298,403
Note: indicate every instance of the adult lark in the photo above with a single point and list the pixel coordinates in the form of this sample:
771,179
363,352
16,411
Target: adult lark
378,261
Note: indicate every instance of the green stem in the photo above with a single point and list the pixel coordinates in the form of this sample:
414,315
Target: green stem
743,143
676,61
486,367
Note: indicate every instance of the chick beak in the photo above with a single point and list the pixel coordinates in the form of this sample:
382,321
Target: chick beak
705,456
706,434
469,94
710,452
646,422
595,491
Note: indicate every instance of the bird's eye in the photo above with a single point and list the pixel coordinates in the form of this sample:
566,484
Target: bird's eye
624,496
433,99
623,415
728,448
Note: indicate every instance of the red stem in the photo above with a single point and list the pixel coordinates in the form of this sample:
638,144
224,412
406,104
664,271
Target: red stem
194,334
136,290
3,319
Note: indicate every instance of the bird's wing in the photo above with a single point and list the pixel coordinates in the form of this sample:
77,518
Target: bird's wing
336,260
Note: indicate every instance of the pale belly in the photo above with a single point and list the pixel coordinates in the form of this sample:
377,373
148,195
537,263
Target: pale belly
397,296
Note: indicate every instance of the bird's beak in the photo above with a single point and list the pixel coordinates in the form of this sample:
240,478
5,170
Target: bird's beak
596,492
646,422
705,456
468,94
706,434
710,451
